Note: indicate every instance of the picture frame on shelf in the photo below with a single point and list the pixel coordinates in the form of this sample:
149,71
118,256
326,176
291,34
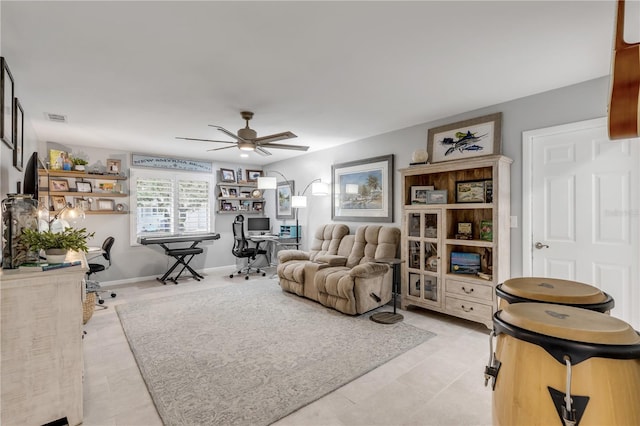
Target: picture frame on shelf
43,202
59,202
105,204
6,104
224,191
471,191
18,135
105,186
58,185
59,160
83,187
464,231
438,196
362,190
113,166
226,206
227,175
233,192
258,206
419,194
245,194
253,175
81,203
465,139
284,192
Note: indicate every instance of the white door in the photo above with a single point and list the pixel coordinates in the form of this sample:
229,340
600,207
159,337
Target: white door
581,211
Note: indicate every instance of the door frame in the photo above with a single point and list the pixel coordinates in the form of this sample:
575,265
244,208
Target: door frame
528,138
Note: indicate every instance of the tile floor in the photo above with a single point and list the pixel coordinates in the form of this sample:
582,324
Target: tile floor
439,382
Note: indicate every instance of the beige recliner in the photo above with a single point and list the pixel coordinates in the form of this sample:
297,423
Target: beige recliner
292,263
360,285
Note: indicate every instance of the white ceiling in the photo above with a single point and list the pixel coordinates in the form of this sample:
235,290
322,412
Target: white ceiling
134,75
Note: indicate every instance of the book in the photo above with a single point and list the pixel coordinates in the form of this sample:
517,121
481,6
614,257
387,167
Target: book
47,266
486,230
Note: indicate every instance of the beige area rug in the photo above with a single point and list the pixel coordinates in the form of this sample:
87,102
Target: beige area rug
250,354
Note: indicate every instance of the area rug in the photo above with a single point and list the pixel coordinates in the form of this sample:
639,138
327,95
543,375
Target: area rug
250,354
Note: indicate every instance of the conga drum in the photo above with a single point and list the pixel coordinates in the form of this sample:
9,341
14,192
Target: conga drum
553,290
544,352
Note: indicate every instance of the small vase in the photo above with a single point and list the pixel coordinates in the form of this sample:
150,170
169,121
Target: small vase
55,255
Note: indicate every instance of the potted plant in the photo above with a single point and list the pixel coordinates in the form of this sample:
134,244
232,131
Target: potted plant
56,244
79,163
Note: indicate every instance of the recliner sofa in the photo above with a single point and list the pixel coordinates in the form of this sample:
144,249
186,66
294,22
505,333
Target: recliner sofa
348,280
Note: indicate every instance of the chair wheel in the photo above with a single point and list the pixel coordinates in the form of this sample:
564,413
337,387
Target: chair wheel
247,277
101,301
264,274
231,276
113,295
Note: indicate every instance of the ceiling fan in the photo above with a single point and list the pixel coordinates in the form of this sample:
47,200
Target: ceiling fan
247,139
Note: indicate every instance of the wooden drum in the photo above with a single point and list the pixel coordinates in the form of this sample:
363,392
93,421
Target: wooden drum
545,351
552,290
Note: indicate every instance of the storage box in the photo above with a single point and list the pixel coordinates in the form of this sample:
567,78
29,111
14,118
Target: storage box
290,231
465,263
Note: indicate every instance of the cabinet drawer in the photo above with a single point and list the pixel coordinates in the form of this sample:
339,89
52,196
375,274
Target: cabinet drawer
477,291
470,310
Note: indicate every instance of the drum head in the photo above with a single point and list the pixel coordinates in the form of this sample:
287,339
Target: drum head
569,323
554,290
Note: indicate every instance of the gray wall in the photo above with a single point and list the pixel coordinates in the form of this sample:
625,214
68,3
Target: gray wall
565,105
574,103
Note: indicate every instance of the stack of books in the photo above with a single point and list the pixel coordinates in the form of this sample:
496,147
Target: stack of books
46,266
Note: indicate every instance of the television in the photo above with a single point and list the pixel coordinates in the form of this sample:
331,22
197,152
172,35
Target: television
258,225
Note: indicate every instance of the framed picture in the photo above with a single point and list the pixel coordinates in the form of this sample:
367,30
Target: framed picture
6,104
58,185
224,191
233,192
59,160
81,203
83,186
488,191
113,166
58,201
226,206
258,206
43,181
44,202
105,186
227,175
470,191
419,194
362,190
437,197
245,194
465,139
253,175
105,204
18,135
284,192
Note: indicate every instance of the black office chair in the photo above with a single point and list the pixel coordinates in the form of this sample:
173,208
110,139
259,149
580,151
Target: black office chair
242,250
92,285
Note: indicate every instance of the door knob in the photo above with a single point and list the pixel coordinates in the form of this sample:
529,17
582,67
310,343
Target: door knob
539,245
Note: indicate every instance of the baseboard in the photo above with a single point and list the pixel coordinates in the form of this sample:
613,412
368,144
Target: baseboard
113,283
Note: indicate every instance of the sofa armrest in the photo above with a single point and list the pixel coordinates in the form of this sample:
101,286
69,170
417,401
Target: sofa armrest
369,270
331,260
287,255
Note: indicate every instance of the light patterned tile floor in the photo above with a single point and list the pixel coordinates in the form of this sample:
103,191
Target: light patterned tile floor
439,382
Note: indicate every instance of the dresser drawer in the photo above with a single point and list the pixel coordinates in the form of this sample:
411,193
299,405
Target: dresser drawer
471,310
477,291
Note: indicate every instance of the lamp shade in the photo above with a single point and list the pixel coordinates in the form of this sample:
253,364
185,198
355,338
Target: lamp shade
267,182
299,201
319,188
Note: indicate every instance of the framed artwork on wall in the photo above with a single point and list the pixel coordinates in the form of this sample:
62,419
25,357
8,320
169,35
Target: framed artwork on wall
18,135
6,104
362,190
284,192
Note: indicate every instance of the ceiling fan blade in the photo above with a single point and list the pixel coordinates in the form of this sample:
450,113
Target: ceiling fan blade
204,140
224,147
262,151
284,146
228,133
275,137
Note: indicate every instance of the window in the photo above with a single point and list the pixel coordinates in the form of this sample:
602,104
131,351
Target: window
170,203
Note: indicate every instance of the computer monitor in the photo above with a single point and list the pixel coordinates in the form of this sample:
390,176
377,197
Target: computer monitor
258,225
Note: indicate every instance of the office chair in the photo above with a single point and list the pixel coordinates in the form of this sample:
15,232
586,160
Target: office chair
92,285
242,250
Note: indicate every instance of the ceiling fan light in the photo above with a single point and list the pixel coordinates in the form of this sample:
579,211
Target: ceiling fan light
246,146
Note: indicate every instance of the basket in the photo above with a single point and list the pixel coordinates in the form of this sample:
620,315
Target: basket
88,307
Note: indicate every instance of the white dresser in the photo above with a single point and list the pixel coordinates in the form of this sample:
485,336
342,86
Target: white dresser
41,360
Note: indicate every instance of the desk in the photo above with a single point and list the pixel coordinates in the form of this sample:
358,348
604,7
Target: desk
274,242
180,254
390,317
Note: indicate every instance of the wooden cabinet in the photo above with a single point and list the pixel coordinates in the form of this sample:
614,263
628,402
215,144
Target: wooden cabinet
456,252
41,360
240,198
97,194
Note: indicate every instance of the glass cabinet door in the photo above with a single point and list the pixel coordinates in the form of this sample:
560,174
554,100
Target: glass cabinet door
423,251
